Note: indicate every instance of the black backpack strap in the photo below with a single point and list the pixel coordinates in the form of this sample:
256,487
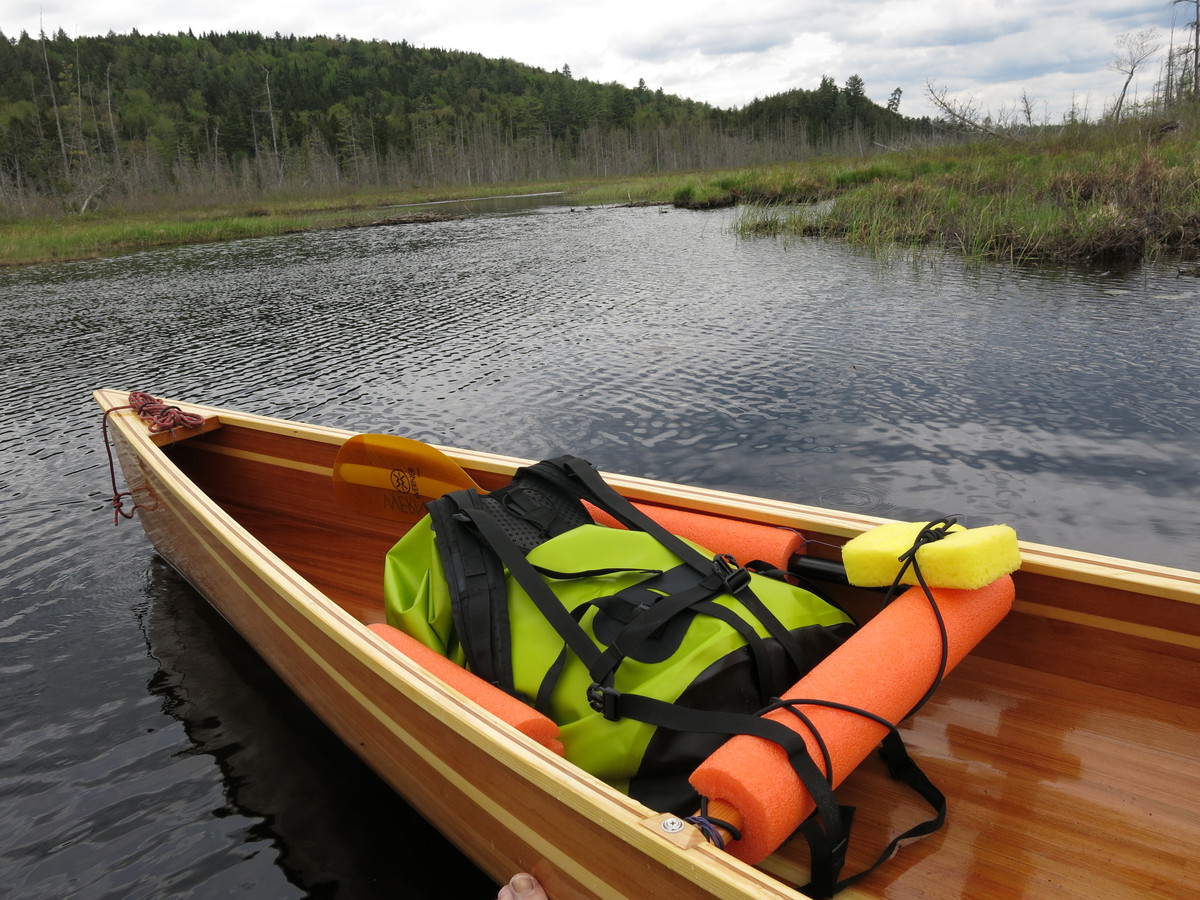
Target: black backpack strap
824,881
526,512
904,769
651,619
582,478
547,602
478,592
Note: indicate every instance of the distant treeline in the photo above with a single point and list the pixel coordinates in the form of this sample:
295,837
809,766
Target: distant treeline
129,118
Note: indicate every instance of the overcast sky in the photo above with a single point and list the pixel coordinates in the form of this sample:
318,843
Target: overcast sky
724,53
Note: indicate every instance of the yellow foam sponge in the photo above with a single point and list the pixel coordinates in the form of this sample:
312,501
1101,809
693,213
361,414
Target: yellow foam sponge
966,558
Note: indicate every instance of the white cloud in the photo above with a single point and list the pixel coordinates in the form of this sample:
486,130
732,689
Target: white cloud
1054,50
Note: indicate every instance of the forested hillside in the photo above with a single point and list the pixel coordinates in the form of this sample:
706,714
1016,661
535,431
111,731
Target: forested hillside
126,117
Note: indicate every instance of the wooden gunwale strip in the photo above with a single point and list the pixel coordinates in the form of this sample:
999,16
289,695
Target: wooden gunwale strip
704,864
1140,578
114,399
1056,562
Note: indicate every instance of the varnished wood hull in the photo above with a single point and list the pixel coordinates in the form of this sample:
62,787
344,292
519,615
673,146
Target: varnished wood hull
1067,743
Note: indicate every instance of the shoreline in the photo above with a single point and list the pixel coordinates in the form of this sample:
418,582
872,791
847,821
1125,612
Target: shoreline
1090,194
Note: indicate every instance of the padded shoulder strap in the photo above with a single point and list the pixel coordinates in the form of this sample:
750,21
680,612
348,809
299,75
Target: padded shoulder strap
526,512
533,508
478,591
535,586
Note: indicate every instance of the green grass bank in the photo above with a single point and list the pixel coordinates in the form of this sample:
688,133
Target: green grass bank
114,231
1084,194
1093,192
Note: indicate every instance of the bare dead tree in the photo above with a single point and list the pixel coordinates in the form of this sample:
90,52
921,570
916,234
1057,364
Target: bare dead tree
1133,49
62,143
1025,108
966,113
112,122
274,132
1195,26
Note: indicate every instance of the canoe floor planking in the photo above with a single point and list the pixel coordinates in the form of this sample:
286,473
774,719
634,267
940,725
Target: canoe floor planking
1066,743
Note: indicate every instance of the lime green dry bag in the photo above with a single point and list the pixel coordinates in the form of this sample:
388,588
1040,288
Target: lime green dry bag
629,639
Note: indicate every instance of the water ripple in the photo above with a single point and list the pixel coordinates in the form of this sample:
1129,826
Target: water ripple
1065,403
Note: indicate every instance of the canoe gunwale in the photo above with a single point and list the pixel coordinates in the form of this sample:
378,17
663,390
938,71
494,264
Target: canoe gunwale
1039,559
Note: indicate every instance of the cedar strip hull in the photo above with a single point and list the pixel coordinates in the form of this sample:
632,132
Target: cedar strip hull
505,801
1067,743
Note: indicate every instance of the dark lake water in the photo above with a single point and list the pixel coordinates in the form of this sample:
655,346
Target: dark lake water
145,752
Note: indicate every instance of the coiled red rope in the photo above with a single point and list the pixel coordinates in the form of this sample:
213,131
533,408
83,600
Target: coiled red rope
158,417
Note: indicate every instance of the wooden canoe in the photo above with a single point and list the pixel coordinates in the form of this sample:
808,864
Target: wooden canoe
1067,743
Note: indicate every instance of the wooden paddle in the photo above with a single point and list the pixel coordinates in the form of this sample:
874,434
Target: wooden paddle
394,477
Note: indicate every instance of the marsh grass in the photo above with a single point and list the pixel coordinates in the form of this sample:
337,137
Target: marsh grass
84,238
1101,194
1080,193
48,238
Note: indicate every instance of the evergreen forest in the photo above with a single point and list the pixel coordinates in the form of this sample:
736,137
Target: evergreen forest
131,120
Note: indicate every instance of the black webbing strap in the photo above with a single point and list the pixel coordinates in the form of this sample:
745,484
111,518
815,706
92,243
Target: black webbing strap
828,840
648,621
530,579
581,478
825,865
478,593
581,474
901,767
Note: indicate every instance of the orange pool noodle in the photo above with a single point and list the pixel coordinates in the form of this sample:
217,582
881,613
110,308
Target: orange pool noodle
520,716
744,541
886,668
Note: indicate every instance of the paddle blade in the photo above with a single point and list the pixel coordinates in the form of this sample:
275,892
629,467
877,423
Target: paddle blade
394,477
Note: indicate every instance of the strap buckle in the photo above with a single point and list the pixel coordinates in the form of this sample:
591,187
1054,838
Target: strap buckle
733,576
603,699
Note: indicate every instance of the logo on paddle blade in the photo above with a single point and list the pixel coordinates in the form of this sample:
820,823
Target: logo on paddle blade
405,480
407,498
